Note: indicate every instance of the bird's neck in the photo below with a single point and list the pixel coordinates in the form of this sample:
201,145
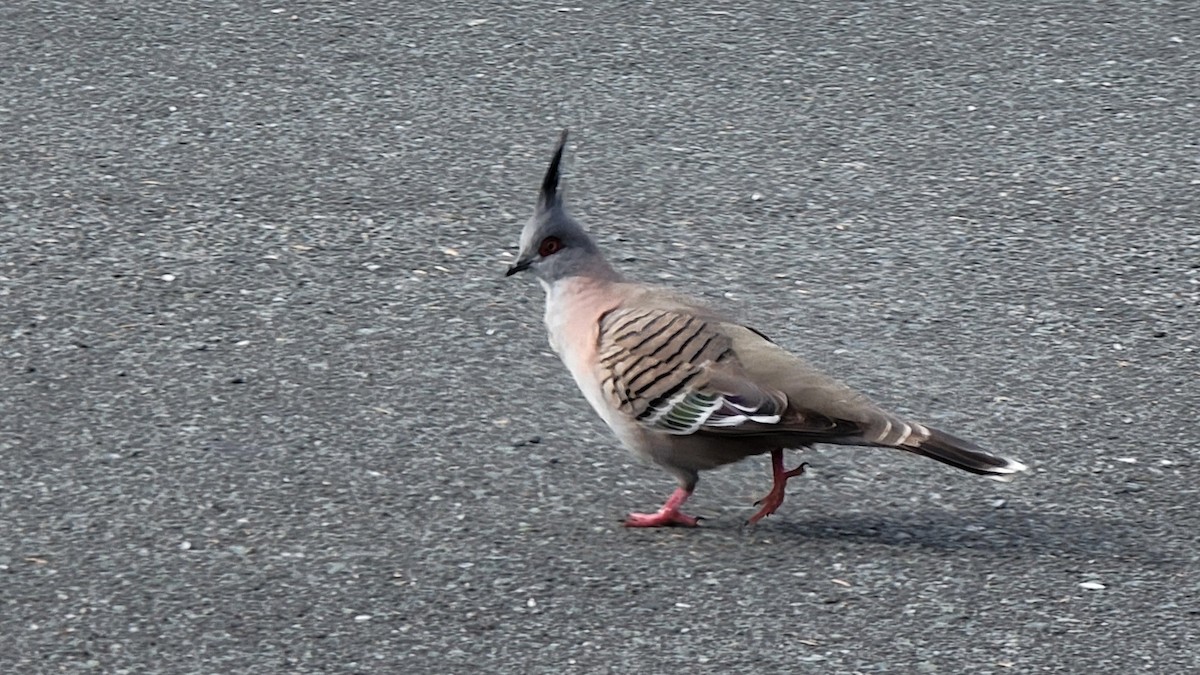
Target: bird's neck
574,306
598,268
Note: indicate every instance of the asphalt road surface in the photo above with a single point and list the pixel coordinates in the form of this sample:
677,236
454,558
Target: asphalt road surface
267,405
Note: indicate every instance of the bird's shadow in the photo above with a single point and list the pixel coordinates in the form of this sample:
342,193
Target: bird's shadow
1001,533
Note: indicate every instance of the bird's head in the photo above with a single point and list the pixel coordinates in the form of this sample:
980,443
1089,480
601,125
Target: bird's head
553,244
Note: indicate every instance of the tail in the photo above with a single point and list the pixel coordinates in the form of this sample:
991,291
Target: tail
962,454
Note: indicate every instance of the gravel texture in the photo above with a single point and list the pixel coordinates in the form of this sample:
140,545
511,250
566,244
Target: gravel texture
267,405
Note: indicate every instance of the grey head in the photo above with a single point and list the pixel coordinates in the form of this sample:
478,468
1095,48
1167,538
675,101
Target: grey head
553,245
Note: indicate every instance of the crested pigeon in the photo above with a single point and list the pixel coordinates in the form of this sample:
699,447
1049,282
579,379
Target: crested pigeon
689,389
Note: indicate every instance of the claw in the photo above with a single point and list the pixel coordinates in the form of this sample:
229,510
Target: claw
798,471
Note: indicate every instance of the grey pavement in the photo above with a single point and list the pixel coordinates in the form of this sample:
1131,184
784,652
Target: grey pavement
267,405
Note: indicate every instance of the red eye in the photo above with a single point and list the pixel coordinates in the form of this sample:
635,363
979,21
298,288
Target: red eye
550,246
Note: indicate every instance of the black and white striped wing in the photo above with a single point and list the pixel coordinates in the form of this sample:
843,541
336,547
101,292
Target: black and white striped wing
676,372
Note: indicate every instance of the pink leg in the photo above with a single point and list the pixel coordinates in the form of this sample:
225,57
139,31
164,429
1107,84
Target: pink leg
669,514
775,497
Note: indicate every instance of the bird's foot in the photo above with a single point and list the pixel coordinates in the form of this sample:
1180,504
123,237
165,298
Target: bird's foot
774,498
769,503
661,518
669,514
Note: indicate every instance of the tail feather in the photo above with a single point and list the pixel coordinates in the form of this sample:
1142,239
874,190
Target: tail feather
965,455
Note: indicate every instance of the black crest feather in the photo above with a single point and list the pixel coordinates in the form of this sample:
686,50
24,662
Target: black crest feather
549,197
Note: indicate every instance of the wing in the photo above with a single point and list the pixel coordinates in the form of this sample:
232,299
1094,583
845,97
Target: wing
677,372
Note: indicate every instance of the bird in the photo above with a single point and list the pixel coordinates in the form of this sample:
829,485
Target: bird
685,387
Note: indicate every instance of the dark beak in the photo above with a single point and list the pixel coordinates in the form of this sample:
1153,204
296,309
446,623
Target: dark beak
519,266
